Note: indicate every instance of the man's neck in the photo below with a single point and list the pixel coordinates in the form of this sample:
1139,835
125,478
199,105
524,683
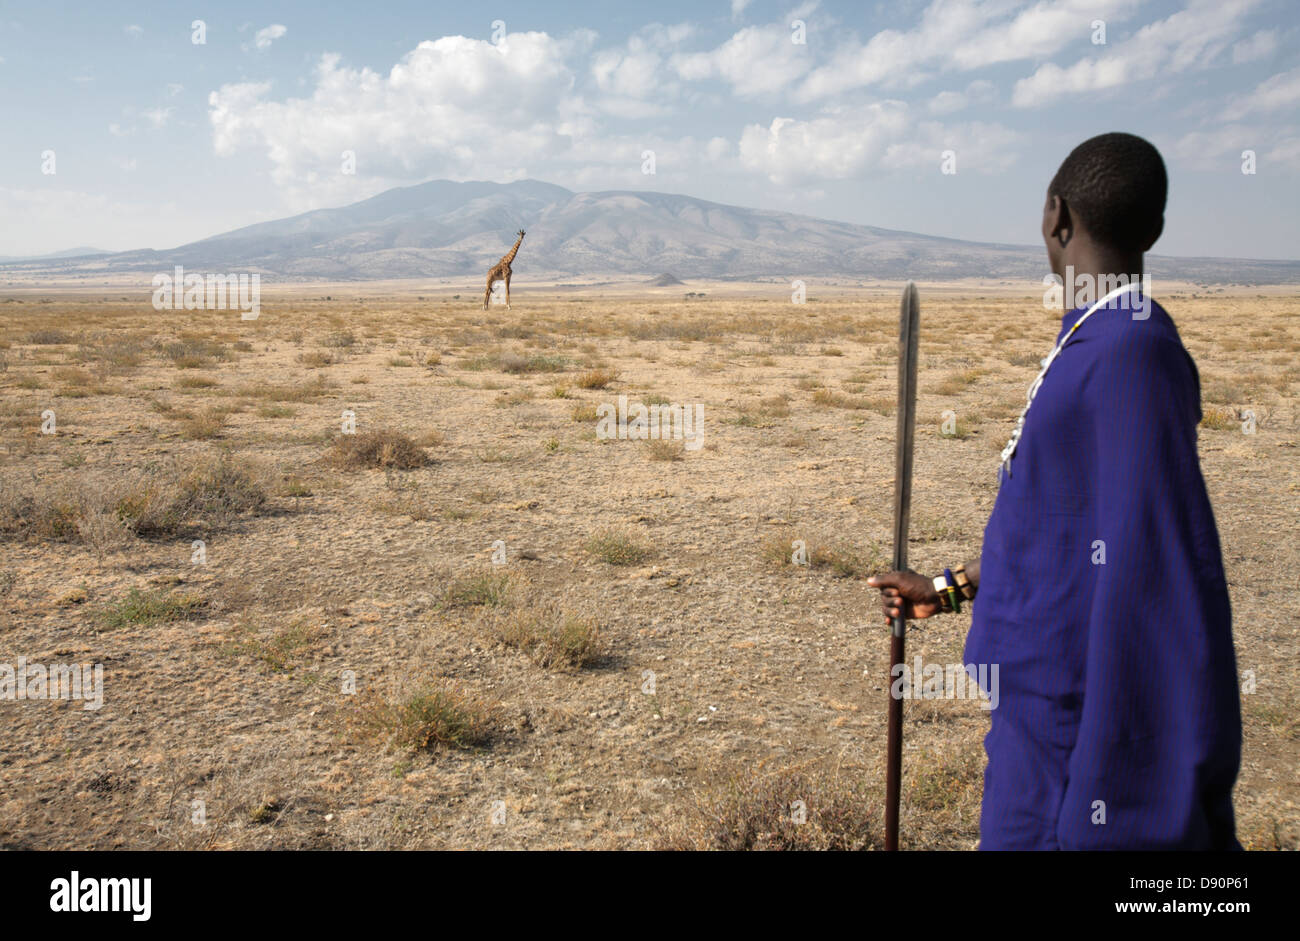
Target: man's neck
1101,265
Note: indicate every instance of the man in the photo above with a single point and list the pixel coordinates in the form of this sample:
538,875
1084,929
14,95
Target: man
1100,590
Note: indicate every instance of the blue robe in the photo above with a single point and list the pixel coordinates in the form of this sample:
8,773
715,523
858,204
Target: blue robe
1103,601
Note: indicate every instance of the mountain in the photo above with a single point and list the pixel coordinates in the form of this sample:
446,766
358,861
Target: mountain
665,280
66,253
458,230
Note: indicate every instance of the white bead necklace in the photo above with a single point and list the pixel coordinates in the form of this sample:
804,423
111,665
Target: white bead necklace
1009,451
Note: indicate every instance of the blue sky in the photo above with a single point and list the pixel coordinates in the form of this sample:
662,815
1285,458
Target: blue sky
158,140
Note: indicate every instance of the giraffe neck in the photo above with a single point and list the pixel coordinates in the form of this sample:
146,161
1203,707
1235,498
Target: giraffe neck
510,256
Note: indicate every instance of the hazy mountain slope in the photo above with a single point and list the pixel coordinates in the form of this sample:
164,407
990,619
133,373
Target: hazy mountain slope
446,229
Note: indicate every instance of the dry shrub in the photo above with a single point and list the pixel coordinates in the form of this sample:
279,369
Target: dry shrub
596,378
47,337
552,636
382,448
439,714
619,546
193,352
94,509
315,359
515,363
663,449
842,558
787,809
1219,418
881,404
489,589
204,425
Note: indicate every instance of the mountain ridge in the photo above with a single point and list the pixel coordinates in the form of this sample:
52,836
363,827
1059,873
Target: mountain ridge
442,228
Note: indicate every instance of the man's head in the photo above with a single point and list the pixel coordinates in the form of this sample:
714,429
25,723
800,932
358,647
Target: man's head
1108,195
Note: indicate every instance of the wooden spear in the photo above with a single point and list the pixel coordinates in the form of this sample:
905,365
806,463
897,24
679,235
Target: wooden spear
909,336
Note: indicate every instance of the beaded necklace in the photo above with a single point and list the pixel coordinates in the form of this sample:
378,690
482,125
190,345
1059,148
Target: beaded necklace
1009,451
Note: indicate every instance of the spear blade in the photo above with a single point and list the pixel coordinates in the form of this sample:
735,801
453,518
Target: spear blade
909,336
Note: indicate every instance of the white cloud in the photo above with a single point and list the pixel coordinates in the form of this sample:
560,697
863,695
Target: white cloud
1187,40
1285,153
758,60
738,7
633,80
134,31
1260,46
959,35
1273,94
158,117
264,37
455,107
1220,148
979,91
878,137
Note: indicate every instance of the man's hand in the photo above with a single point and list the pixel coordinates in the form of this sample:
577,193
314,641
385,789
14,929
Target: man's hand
906,594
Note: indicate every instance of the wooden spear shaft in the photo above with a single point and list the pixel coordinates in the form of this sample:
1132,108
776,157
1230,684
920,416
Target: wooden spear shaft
909,335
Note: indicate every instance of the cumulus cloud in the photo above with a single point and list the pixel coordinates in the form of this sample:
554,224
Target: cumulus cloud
877,137
1187,40
980,91
958,35
758,60
633,80
455,107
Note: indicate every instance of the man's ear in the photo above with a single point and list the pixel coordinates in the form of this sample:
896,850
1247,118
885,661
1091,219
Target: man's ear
1059,223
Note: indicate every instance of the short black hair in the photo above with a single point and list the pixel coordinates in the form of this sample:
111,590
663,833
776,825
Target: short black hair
1116,184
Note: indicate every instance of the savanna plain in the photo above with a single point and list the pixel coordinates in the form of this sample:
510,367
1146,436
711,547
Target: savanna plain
470,621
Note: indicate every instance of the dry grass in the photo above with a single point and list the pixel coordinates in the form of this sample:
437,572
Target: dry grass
383,448
596,378
837,555
145,608
787,809
438,714
649,666
488,589
207,491
552,636
617,545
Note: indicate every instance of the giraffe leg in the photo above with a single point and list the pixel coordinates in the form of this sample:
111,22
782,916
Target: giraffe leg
507,292
487,294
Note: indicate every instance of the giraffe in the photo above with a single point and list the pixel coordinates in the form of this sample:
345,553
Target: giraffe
501,272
